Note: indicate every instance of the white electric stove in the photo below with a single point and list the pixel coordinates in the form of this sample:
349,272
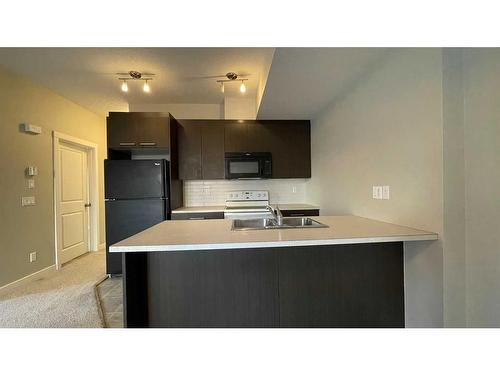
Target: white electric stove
247,204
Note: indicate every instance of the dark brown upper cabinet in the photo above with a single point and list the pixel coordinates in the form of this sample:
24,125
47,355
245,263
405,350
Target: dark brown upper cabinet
130,130
212,151
201,149
203,143
236,136
189,135
289,142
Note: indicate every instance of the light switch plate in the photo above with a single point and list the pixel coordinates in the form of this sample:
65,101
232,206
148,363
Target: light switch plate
386,192
377,192
28,201
33,257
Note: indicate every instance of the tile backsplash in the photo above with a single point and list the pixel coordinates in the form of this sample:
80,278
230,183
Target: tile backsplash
213,192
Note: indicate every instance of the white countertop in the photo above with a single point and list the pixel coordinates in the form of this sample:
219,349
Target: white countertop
216,234
202,209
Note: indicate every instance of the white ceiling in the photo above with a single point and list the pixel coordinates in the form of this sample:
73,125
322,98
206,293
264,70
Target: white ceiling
303,81
183,75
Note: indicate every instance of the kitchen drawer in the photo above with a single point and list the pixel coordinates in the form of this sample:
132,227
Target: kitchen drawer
197,215
295,213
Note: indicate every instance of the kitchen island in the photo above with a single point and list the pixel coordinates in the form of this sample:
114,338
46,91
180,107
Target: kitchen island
203,274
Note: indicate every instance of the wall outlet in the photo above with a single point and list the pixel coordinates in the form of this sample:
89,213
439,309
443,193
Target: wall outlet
386,192
33,257
31,183
28,201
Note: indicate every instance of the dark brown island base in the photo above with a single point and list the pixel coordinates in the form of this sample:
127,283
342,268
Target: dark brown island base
350,274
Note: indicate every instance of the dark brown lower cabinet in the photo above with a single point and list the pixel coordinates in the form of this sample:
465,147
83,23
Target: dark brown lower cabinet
342,286
359,285
224,288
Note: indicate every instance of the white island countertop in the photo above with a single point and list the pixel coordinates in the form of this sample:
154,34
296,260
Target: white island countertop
185,235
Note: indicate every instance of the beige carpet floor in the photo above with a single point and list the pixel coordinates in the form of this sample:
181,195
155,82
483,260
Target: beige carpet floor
66,299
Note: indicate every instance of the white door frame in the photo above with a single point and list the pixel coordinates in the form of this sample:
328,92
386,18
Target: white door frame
92,170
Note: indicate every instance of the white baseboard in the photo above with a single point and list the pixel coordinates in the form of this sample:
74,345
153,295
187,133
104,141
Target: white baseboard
102,246
26,279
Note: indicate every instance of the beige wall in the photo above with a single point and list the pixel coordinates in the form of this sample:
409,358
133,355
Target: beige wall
240,108
482,185
453,190
388,131
184,110
25,229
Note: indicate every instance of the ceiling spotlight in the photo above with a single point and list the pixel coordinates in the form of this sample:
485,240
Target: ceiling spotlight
124,86
146,87
134,75
233,77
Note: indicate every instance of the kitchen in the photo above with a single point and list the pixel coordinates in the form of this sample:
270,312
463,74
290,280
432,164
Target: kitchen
248,229
227,165
225,151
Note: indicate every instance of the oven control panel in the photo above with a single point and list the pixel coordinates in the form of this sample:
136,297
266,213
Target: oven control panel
247,195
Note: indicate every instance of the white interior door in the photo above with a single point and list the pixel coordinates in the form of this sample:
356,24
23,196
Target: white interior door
73,233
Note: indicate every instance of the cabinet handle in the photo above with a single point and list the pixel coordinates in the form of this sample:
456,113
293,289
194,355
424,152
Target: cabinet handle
147,143
127,143
197,218
298,214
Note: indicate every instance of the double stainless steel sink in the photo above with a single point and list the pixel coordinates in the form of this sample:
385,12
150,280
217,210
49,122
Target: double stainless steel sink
288,223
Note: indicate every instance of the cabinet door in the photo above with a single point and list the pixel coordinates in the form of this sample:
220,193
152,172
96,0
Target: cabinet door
212,151
121,130
289,142
235,137
189,136
223,288
299,149
359,285
151,130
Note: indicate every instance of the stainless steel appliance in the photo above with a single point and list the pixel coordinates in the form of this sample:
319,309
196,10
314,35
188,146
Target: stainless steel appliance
248,165
247,204
136,198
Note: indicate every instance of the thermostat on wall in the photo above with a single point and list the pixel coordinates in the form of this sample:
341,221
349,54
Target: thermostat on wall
32,129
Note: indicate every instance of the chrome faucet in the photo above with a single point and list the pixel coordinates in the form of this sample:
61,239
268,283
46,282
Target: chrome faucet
277,216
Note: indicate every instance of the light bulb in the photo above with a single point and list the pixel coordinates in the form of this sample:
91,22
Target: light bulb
222,87
146,87
243,88
124,86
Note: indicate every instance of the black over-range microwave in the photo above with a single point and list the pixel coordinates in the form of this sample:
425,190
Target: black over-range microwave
248,165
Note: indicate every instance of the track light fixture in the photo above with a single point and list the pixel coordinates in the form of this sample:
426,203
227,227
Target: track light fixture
233,77
134,75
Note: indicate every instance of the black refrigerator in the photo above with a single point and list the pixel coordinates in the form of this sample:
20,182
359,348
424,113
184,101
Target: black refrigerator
136,198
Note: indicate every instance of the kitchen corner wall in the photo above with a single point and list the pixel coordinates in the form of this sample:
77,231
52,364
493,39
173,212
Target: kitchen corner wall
213,193
26,229
388,131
